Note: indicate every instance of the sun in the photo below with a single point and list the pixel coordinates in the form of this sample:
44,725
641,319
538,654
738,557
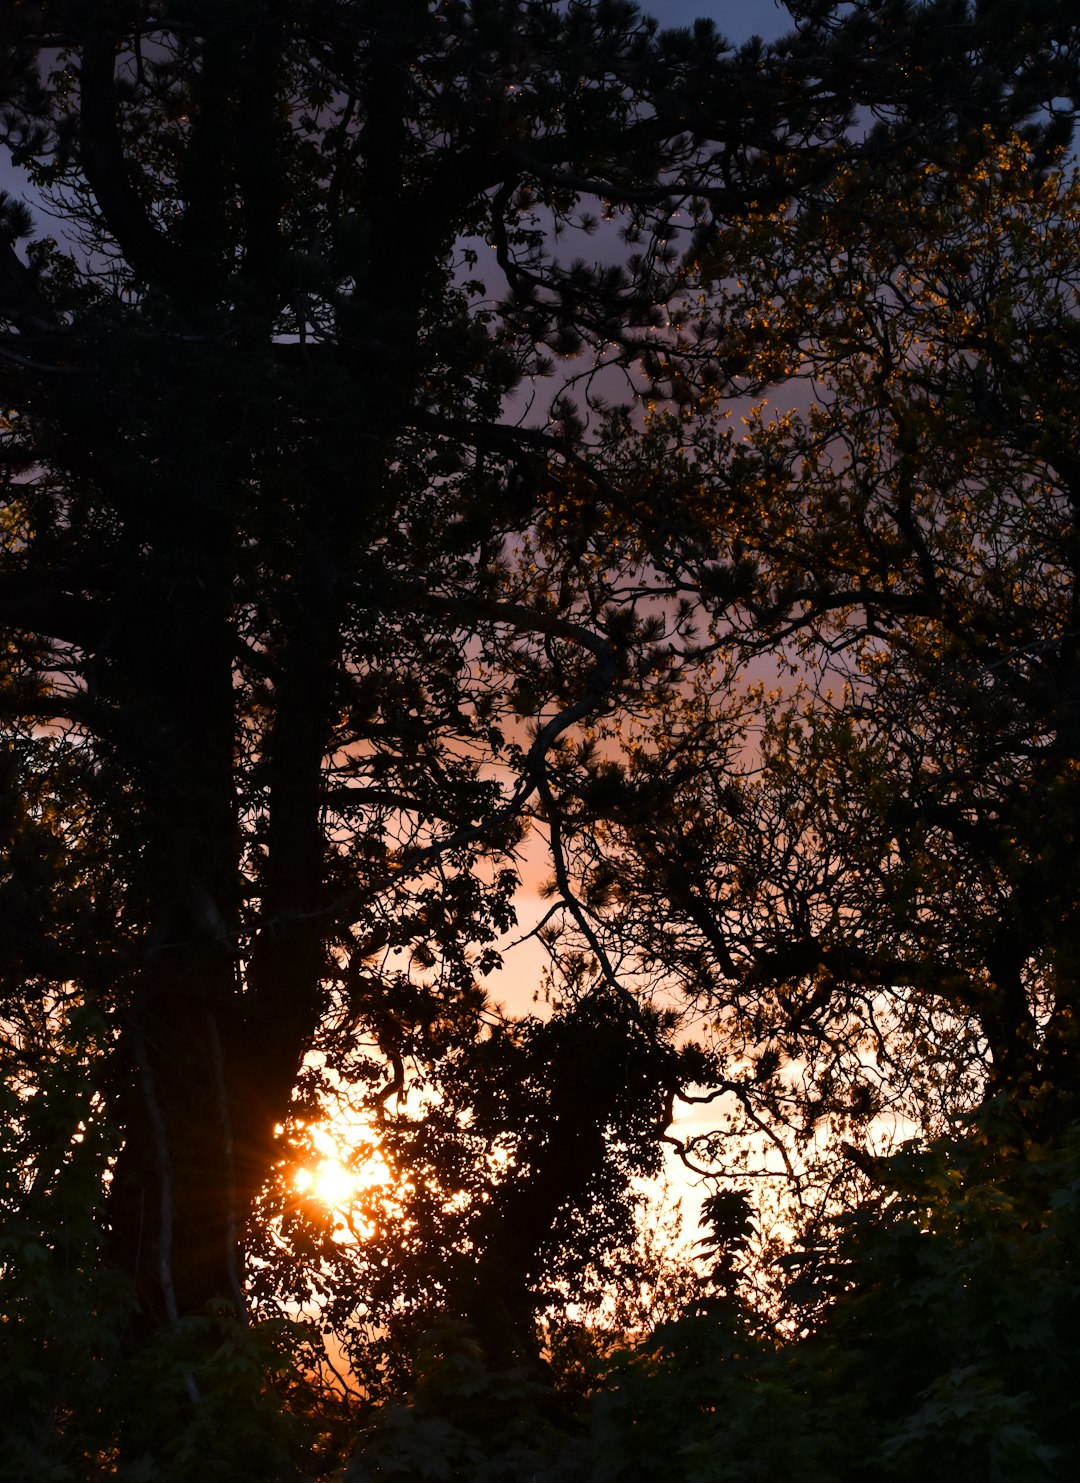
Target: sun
329,1182
336,1176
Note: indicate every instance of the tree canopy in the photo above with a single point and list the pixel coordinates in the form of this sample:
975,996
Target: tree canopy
374,508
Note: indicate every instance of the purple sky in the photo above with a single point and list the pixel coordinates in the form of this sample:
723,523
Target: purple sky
737,19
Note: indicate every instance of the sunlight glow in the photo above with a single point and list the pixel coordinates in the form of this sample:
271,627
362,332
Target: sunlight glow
348,1162
329,1182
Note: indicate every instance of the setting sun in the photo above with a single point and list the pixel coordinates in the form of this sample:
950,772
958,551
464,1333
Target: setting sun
329,1182
347,1161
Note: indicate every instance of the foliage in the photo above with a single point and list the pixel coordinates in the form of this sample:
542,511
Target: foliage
868,873
946,1347
464,1422
964,1307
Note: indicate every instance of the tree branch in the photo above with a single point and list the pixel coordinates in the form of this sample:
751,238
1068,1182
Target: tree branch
107,170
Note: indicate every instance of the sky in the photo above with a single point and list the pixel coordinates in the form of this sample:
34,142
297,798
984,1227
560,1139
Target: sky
737,19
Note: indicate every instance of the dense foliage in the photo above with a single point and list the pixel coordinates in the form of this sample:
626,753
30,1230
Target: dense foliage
367,531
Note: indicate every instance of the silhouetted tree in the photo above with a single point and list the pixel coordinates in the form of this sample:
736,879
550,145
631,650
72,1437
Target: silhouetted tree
287,575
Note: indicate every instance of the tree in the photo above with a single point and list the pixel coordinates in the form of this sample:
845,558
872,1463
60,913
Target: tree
879,913
287,583
965,710
883,904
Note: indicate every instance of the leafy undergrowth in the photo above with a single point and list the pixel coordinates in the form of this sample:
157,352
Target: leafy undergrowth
941,1342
